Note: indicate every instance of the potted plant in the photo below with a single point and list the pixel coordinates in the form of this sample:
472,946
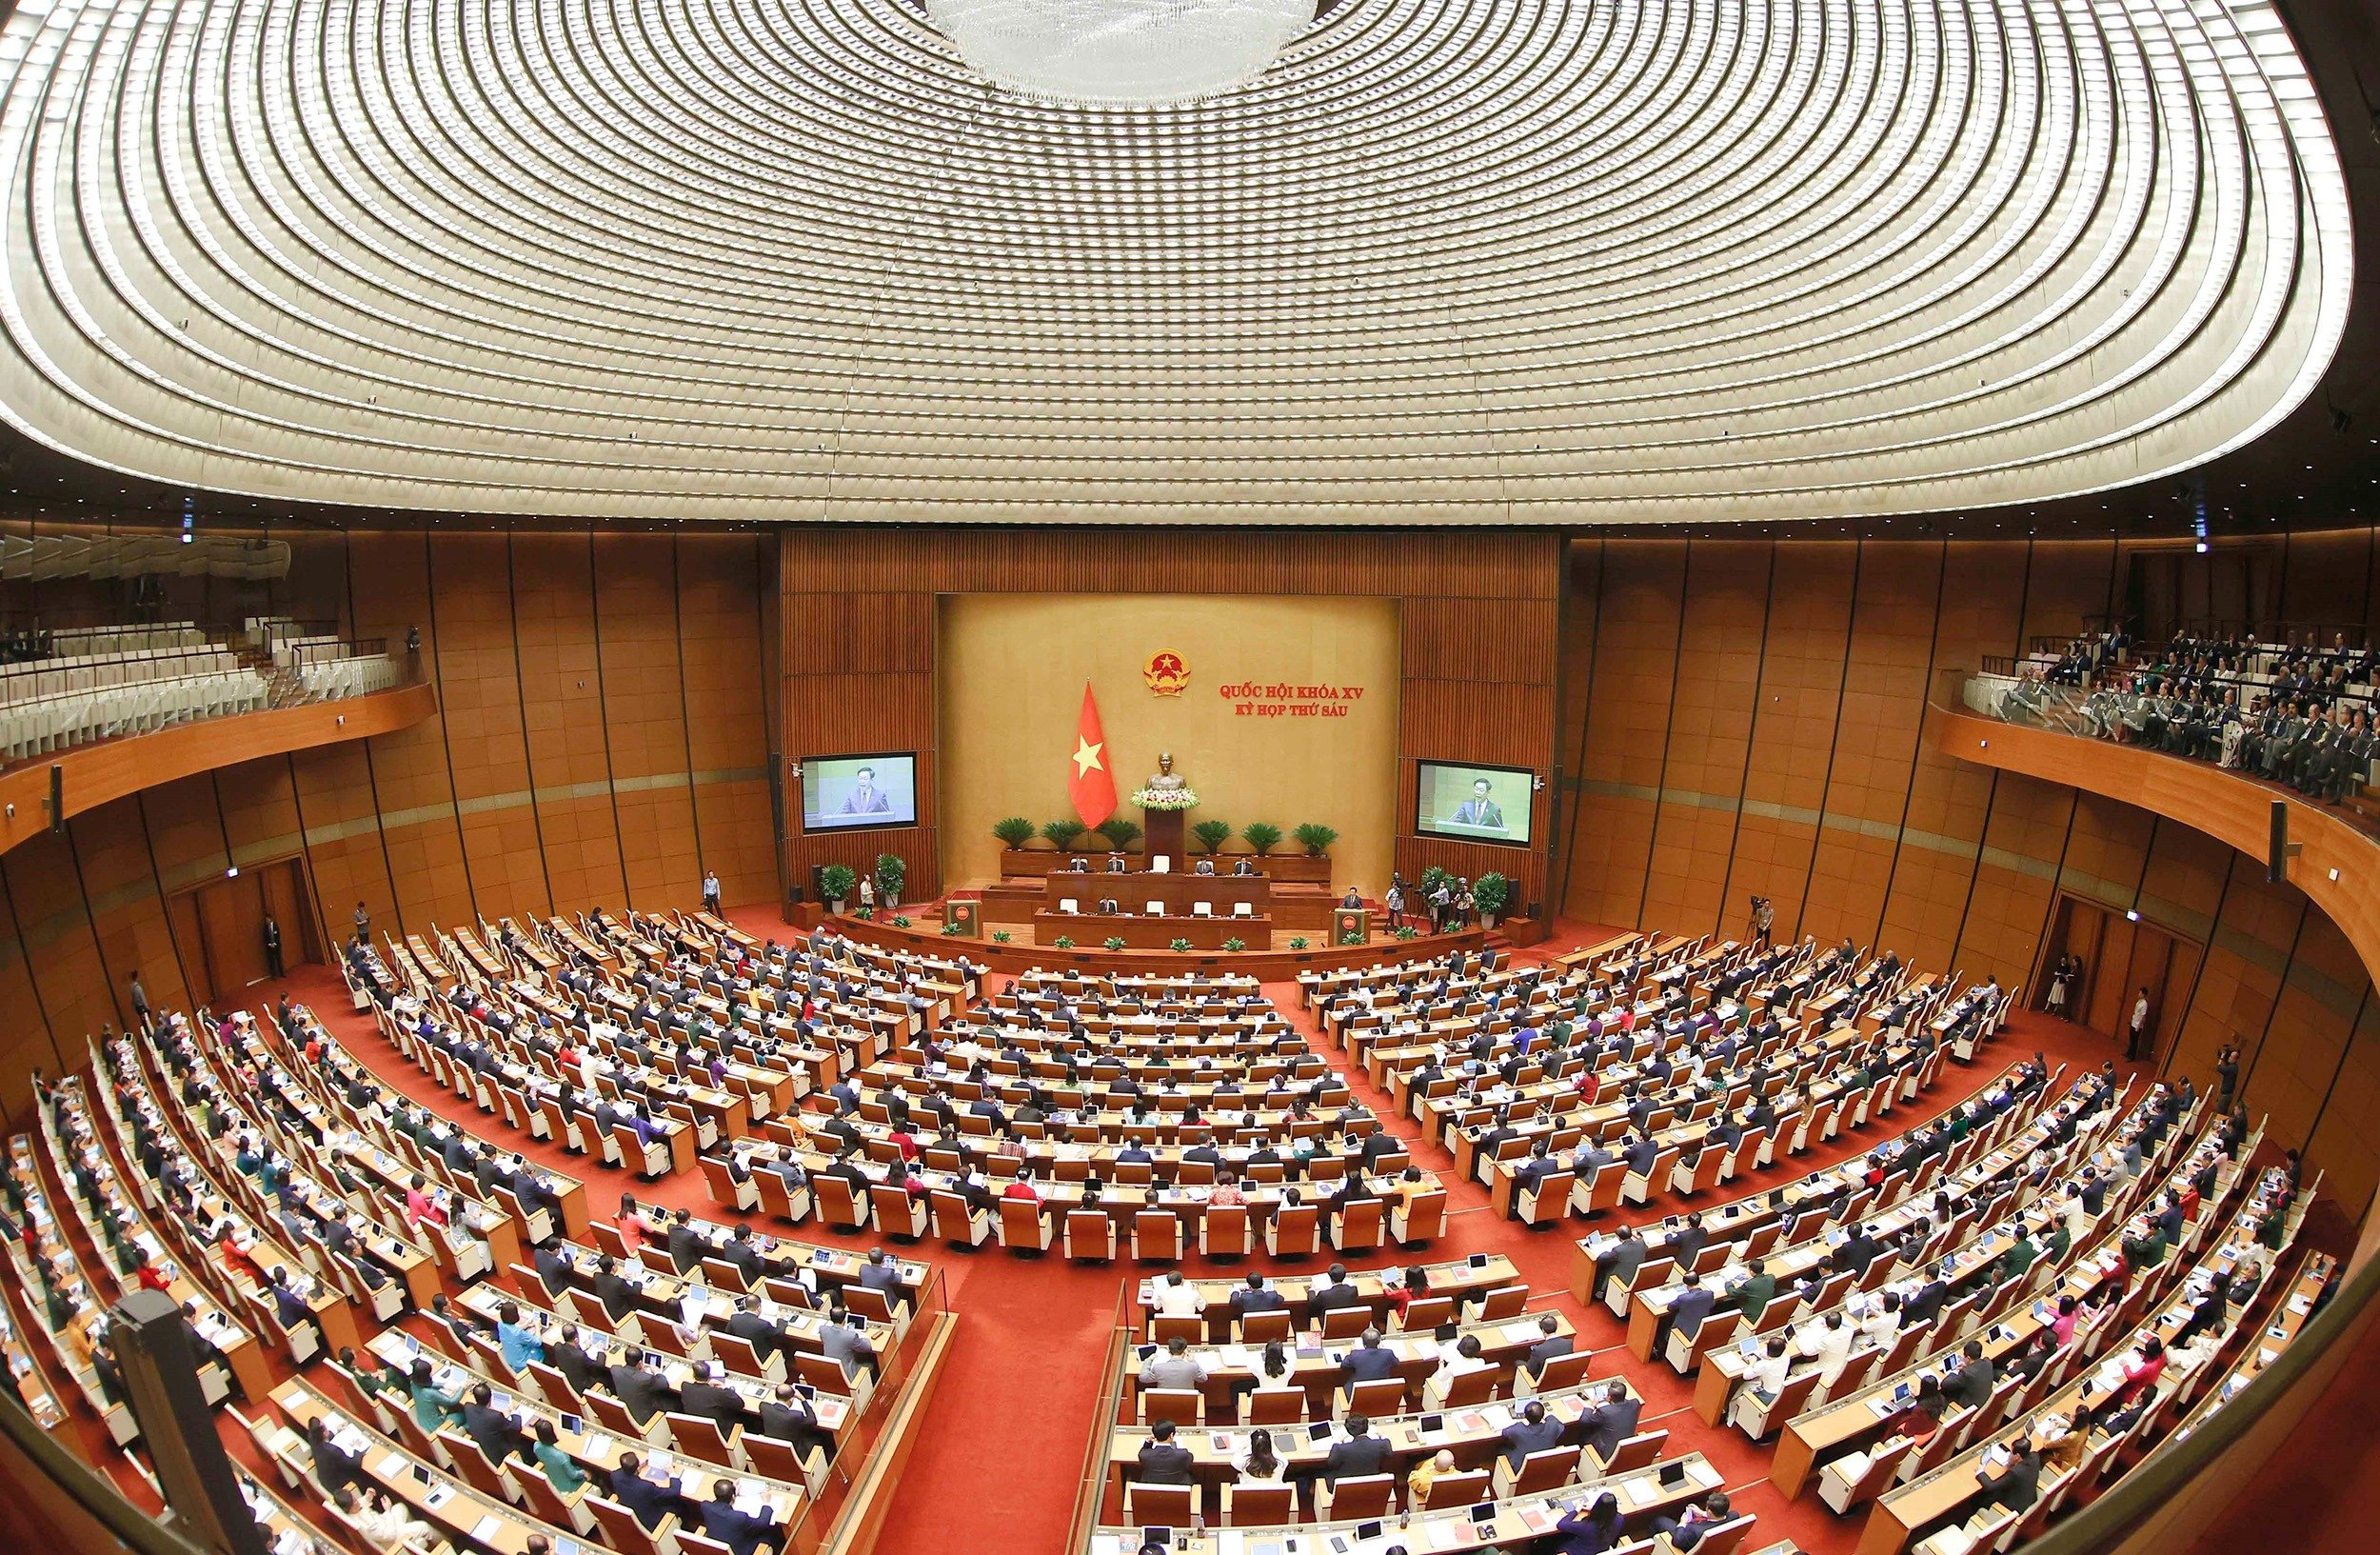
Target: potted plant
1315,838
1261,835
1214,835
1013,833
1299,941
1120,832
1489,893
900,920
1407,932
1064,942
1432,878
1113,942
949,930
1061,832
1002,936
891,874
1234,943
1179,944
835,883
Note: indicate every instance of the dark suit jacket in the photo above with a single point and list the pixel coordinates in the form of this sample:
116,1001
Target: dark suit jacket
757,1331
740,1531
1547,1349
614,1292
1354,1459
1687,1313
720,1404
793,1422
1602,1427
1522,1439
1365,1365
497,1436
686,1248
1163,1462
1329,1296
643,1393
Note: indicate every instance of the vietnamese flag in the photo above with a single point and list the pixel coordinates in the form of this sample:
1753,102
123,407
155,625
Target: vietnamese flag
1089,783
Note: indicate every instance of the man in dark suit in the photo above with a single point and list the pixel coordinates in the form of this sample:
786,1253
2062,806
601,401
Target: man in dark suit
743,1254
789,1418
2016,1486
1362,1453
740,1531
645,1391
1163,1460
1926,1305
686,1249
1620,1262
570,1358
1601,1428
1687,1241
1369,1362
747,1324
1532,1432
618,1296
553,1267
1689,1306
496,1434
1552,1343
648,1500
705,1394
1255,1296
1333,1291
1970,1385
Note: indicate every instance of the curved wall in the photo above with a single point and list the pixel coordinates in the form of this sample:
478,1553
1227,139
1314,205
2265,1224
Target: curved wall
1748,717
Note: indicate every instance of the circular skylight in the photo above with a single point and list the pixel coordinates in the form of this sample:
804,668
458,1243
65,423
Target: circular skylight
1122,50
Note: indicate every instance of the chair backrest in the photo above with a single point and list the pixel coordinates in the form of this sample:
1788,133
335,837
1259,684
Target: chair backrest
1366,1495
951,1220
1545,1471
1636,1452
1020,1223
1165,1506
837,1205
699,1436
1188,1326
1223,1232
1089,1234
1255,1327
1361,1224
1502,1302
1451,1490
1157,1233
1257,1506
1426,1219
1564,1371
621,1531
1345,1322
1183,1405
1379,1398
1426,1313
1471,1387
1276,1406
1294,1229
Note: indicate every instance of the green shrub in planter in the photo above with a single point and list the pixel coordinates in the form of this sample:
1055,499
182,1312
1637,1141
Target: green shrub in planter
865,915
1490,893
1013,832
892,872
1120,832
1064,942
836,881
1315,838
1432,878
1212,834
1179,944
900,921
1408,932
950,928
1002,936
1113,942
1234,943
1061,832
1299,941
1260,835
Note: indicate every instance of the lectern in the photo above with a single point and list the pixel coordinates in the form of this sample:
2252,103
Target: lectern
1162,832
1351,925
966,915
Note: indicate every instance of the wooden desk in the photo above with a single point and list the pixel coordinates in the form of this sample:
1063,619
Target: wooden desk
1177,891
1092,930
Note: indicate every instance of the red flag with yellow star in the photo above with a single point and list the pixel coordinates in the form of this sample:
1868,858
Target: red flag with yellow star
1090,782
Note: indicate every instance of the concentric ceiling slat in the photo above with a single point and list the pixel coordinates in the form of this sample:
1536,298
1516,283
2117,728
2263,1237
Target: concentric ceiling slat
1532,261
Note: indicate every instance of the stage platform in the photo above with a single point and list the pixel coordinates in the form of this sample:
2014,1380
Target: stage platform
926,936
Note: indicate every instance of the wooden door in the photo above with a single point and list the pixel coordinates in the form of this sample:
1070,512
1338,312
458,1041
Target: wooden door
232,928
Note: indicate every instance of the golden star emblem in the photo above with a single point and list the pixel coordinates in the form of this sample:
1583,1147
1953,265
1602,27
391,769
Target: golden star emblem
1087,755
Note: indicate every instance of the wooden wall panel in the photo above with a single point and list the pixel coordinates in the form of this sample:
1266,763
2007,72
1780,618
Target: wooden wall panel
1480,642
479,678
561,709
344,849
720,582
645,716
409,772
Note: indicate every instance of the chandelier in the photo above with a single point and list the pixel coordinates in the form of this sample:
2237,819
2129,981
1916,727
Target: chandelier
1120,50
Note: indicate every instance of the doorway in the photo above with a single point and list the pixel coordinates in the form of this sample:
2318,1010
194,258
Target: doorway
223,919
2121,955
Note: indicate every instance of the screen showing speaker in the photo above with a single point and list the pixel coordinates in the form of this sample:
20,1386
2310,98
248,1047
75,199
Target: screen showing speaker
851,793
1476,803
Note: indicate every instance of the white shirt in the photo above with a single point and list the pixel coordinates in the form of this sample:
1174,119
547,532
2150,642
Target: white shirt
1768,1373
1178,1301
1829,1347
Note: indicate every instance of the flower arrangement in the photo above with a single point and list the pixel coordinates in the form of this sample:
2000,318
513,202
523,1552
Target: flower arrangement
1113,942
1064,942
1299,941
1164,799
1002,936
950,928
1179,944
1407,932
1234,943
900,920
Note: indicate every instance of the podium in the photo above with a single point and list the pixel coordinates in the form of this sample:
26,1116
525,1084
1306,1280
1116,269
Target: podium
1161,833
963,916
1351,925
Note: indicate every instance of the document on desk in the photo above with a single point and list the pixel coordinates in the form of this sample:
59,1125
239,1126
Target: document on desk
485,1530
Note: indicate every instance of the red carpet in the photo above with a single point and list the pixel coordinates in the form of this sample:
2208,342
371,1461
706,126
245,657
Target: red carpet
1004,1445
